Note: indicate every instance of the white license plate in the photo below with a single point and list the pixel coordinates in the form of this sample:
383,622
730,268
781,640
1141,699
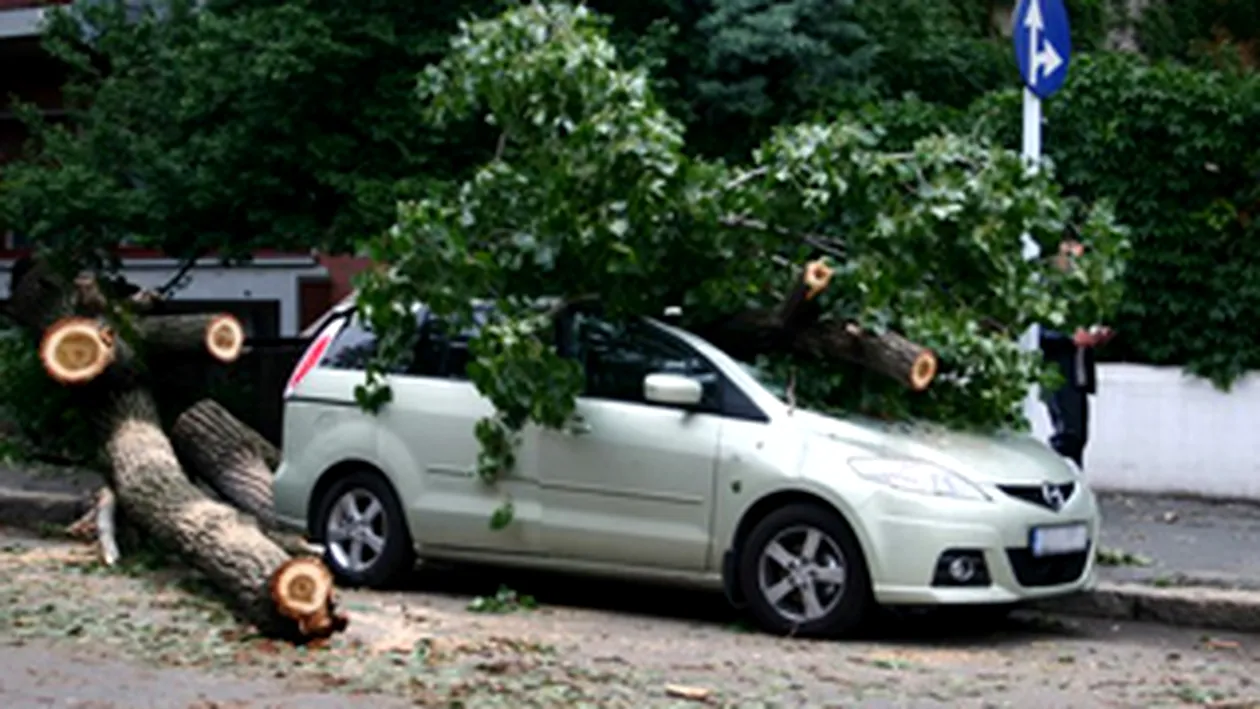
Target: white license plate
1060,539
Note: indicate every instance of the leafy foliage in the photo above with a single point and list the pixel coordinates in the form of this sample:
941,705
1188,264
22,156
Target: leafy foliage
593,194
231,125
38,410
733,69
953,52
1198,30
1178,151
935,51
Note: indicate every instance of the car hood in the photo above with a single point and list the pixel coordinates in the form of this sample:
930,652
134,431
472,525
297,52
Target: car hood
1013,458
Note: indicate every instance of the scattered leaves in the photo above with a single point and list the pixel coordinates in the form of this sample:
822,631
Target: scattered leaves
505,600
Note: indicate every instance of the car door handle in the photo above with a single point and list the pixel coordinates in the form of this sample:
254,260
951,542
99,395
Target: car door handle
577,426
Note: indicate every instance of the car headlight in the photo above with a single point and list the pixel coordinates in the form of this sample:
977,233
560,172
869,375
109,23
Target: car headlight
917,476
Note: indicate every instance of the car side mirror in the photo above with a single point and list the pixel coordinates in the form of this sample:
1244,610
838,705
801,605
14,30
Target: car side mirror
673,389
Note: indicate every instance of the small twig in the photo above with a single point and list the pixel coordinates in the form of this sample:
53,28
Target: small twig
565,303
824,244
790,391
501,146
106,509
176,281
746,178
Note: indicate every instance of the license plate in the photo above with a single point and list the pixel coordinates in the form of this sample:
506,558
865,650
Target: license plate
1060,539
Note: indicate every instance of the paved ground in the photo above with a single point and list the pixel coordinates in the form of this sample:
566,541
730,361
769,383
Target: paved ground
73,635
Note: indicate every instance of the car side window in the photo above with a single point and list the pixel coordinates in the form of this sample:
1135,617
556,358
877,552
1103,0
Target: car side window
444,354
617,356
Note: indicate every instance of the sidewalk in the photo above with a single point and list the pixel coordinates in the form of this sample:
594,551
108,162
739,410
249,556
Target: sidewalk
1184,562
33,495
1209,543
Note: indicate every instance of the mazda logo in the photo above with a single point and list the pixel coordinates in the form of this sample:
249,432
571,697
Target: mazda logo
1053,496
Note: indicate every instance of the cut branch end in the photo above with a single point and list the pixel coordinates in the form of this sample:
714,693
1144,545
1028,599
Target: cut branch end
76,350
923,371
817,277
225,338
302,589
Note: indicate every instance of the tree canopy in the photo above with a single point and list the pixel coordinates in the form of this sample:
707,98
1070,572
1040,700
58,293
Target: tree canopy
233,125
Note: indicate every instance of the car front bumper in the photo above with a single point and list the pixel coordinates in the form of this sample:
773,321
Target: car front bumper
906,536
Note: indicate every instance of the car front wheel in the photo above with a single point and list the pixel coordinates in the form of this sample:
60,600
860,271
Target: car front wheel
803,573
366,541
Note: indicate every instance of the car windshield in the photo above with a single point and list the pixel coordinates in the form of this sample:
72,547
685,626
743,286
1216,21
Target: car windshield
774,384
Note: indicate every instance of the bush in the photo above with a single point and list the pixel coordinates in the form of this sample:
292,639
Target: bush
1178,150
38,410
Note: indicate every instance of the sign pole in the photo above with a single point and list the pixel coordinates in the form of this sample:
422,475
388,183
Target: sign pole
1043,48
1032,155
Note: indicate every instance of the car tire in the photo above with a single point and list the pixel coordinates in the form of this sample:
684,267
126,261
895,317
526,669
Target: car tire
380,523
791,591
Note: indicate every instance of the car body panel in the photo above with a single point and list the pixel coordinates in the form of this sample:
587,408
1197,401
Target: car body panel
324,404
659,493
635,485
427,434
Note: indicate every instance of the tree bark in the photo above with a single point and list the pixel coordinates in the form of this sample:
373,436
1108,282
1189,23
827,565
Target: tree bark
218,334
235,555
284,598
797,326
233,459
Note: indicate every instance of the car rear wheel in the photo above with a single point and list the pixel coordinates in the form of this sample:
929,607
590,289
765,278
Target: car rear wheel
366,542
802,573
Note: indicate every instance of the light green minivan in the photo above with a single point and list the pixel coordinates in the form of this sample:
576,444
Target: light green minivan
681,465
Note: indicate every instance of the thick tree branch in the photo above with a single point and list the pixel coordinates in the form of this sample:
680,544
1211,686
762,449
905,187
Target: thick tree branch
796,326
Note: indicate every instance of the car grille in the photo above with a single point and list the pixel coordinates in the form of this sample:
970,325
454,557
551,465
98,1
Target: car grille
1035,494
1032,571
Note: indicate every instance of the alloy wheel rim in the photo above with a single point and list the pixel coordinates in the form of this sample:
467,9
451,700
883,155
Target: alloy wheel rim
356,530
802,573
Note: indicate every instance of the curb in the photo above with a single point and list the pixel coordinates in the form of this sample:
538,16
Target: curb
28,509
1187,606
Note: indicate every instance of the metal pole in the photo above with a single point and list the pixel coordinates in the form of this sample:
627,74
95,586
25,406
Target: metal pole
1032,156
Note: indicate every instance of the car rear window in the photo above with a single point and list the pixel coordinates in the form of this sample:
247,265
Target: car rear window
353,348
437,353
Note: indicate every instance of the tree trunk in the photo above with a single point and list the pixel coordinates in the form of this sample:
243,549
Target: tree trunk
232,458
286,598
235,555
796,326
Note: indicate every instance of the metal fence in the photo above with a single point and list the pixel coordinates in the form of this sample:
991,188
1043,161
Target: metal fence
252,387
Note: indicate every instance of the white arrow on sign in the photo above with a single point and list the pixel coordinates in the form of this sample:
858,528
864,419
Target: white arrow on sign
1046,60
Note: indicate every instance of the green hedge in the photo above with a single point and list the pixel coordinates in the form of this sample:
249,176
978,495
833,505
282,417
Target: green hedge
1178,150
38,410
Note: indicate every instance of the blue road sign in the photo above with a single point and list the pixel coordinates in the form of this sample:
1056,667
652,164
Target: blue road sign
1043,44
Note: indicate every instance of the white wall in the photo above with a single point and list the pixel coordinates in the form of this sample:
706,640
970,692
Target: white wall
265,279
1155,429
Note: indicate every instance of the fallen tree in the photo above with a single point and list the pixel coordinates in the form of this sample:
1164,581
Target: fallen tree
795,328
230,457
593,195
94,345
